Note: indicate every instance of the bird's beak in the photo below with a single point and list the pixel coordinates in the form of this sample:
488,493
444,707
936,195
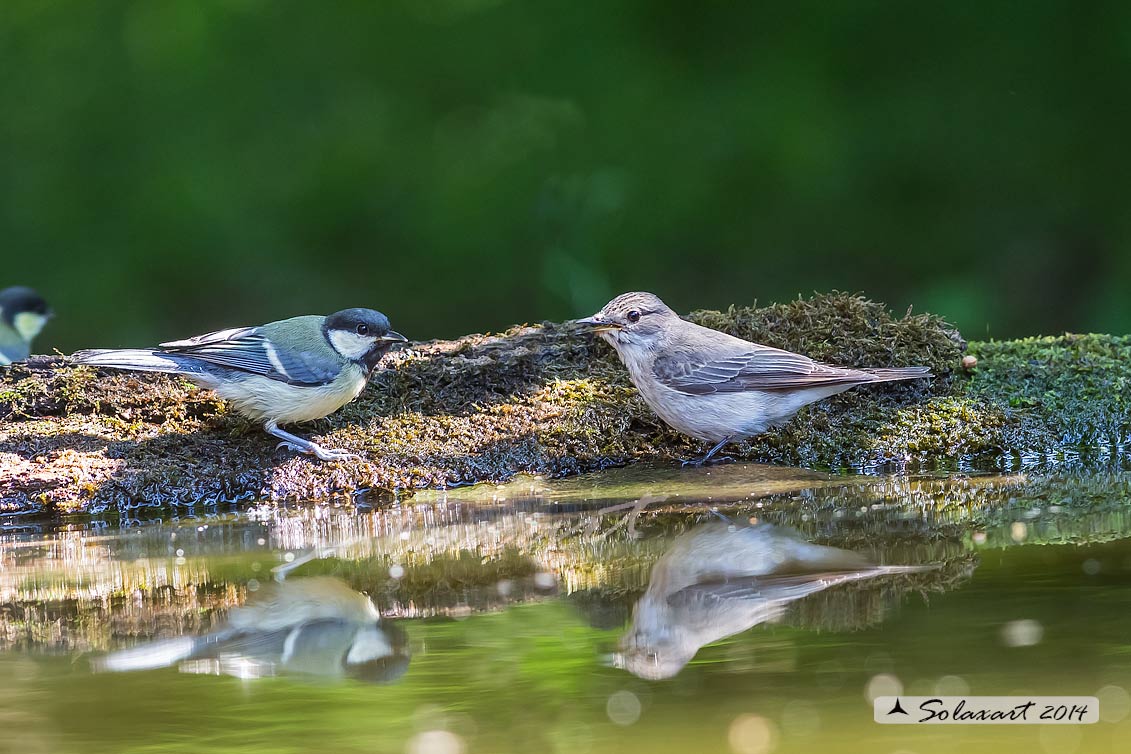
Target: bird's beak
393,337
597,324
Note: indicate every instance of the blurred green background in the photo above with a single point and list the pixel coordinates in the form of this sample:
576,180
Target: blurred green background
172,166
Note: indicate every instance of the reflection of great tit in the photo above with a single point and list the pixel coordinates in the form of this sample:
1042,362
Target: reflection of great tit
315,626
294,370
23,313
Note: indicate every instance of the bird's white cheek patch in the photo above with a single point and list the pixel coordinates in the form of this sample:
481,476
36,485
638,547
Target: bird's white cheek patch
350,344
28,324
369,644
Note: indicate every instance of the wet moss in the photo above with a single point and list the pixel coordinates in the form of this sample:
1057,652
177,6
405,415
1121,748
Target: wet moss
552,400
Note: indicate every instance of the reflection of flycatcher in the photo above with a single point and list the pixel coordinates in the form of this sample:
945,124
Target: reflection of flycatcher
23,313
294,370
315,626
720,579
713,386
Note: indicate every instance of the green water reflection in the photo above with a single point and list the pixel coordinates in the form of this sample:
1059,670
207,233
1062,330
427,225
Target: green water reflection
514,600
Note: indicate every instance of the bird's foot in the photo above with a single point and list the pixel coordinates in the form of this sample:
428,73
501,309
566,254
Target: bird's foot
696,463
322,454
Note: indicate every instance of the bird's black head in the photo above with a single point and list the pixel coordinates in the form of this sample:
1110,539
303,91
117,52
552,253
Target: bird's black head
24,310
361,335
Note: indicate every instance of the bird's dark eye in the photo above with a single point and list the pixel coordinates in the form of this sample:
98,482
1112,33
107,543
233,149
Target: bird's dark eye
362,328
634,316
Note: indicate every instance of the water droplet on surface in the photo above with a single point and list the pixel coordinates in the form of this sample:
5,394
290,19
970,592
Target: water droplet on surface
435,742
883,684
800,718
752,734
623,708
952,685
1022,633
1115,703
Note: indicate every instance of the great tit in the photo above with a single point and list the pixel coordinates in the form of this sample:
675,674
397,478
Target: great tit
23,313
316,626
293,370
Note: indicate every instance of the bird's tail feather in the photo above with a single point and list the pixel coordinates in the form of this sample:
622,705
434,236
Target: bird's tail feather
899,373
133,359
157,654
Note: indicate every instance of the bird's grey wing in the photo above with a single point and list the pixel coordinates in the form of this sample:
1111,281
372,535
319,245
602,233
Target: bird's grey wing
772,588
759,368
248,349
243,644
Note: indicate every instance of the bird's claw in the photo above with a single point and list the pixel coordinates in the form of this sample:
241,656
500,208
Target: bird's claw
322,454
697,463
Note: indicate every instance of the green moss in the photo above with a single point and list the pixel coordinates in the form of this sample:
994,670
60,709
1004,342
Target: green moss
1069,391
549,399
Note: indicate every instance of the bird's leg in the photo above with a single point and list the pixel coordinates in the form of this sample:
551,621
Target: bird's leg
705,459
296,443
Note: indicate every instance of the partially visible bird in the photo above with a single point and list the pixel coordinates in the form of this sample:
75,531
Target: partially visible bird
714,386
293,370
23,313
720,579
314,626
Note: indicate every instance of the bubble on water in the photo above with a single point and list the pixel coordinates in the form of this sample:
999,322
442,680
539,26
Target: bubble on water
1022,633
1092,566
883,684
979,537
545,580
396,571
435,742
179,561
1059,739
951,685
623,708
261,541
752,734
1018,531
253,585
256,567
180,553
800,718
1115,703
289,557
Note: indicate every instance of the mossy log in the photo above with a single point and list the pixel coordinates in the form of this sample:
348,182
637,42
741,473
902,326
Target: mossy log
549,399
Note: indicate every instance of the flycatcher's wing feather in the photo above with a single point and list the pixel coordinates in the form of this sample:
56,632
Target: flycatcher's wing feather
759,368
249,350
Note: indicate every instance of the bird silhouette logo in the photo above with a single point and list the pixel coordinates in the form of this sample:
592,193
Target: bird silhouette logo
898,708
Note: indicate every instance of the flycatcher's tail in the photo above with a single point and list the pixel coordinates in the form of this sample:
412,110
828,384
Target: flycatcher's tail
899,373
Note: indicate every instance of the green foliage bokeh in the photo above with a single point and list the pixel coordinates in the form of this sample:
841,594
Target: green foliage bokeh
171,166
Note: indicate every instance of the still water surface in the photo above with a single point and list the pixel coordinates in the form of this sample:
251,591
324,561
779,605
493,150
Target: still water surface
638,610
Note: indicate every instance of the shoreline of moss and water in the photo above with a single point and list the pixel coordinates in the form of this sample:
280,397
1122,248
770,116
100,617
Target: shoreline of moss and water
552,400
